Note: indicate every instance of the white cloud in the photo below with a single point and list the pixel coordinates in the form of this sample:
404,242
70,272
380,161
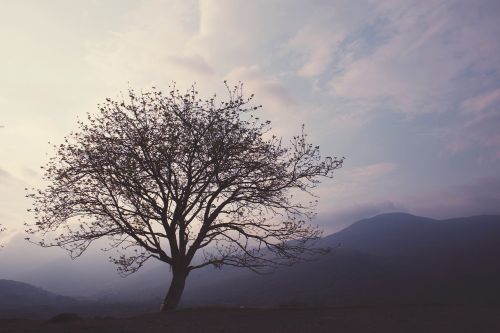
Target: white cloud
482,102
353,187
372,171
409,65
318,43
264,85
152,48
479,196
242,33
333,65
424,51
195,64
481,125
337,219
480,131
438,57
278,104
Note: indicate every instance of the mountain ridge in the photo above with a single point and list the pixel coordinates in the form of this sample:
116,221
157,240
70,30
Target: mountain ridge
15,293
389,258
395,258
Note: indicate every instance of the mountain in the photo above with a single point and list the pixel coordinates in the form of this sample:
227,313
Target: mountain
388,259
18,299
13,293
52,269
24,301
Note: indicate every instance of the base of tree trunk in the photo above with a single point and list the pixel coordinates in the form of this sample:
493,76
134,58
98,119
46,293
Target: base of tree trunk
175,291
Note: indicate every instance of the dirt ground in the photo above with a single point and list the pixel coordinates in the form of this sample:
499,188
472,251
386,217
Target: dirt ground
406,319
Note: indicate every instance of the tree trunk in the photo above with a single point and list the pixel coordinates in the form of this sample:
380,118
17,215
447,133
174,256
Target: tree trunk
175,291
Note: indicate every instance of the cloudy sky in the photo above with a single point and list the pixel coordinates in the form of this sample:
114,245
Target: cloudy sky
407,91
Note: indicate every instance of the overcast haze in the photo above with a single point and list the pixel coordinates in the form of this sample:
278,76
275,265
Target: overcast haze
407,91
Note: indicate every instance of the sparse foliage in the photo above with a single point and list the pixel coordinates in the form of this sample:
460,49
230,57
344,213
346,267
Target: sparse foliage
171,176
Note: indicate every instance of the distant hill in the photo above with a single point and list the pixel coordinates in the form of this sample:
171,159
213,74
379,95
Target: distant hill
52,269
13,293
18,299
24,301
389,259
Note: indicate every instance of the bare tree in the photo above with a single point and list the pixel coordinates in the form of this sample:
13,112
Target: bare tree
168,176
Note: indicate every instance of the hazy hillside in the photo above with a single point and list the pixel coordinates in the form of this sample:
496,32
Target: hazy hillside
13,293
52,269
22,300
391,258
387,259
19,299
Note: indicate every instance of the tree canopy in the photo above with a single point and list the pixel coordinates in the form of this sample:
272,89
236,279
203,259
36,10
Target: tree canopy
170,176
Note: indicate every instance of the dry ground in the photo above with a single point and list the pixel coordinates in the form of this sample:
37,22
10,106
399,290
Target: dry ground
384,319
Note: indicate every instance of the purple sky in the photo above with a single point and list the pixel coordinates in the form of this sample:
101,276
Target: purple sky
408,91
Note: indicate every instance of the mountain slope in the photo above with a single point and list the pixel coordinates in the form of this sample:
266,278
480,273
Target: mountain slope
13,293
22,300
391,258
388,259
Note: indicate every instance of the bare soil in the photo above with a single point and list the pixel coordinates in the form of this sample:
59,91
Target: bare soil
383,319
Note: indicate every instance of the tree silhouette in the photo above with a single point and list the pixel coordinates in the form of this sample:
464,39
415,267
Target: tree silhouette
171,176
